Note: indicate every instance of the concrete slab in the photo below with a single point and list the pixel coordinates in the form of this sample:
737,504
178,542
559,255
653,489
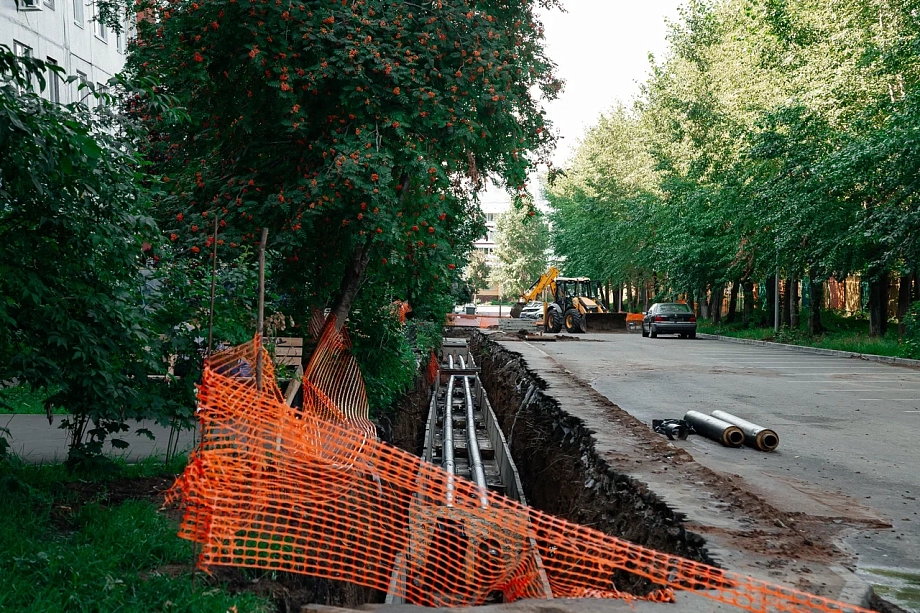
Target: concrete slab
687,602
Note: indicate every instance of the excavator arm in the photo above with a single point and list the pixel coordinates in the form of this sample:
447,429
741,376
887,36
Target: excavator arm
547,279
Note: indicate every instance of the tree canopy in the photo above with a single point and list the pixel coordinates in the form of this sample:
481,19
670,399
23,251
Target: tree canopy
521,243
775,135
357,132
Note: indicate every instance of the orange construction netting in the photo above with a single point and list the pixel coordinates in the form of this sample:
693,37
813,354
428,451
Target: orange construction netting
314,492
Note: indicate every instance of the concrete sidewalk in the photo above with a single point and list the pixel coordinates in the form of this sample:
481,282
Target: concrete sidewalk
35,441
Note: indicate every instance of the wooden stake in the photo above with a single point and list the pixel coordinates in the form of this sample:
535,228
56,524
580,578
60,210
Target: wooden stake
213,285
261,321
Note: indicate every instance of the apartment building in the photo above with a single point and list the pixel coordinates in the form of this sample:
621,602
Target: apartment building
66,33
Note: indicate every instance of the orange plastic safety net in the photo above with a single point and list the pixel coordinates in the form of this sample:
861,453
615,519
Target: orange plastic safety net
274,487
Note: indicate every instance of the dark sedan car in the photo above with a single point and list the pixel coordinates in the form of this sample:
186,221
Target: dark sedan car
669,318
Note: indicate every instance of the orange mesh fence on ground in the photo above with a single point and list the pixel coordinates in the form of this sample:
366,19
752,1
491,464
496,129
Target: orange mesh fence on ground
274,487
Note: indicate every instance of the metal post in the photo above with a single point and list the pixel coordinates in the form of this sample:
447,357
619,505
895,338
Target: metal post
261,320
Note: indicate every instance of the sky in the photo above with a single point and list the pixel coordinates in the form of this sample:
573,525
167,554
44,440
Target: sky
601,50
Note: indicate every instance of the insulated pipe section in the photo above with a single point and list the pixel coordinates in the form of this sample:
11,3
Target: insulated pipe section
447,441
450,361
756,436
462,363
472,444
715,429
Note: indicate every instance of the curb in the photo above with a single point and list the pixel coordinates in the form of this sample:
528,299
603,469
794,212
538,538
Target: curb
884,359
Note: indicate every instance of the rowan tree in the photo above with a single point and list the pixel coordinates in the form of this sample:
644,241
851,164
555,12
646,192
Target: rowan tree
358,131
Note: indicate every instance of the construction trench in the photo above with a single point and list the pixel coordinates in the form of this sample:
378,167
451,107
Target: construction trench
527,446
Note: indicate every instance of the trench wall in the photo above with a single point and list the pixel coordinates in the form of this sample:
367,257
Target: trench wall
562,472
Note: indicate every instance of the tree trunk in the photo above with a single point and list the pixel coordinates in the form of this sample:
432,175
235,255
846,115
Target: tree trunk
732,303
690,301
878,305
794,303
643,295
786,317
905,291
916,279
766,318
351,281
747,310
715,302
629,297
816,298
704,305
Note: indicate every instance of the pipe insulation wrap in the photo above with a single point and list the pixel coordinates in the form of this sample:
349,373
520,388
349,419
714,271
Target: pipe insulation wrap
715,429
756,436
447,440
472,445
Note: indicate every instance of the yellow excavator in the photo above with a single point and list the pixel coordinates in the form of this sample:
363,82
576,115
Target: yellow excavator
578,304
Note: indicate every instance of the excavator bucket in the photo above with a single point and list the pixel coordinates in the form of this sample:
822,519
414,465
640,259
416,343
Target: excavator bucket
605,322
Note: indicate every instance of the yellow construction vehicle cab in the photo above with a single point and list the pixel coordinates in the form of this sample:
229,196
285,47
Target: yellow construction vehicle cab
578,304
574,298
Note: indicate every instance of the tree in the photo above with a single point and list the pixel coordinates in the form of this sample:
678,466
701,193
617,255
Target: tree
73,223
780,135
357,132
521,242
477,272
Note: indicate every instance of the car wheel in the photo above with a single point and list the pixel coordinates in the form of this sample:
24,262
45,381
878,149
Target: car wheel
692,335
682,334
652,331
644,331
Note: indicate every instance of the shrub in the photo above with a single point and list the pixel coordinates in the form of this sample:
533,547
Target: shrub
910,341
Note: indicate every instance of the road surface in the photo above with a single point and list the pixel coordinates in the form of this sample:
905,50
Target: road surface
848,428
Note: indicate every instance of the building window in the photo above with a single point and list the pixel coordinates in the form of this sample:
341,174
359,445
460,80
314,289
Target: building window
30,5
100,29
78,12
101,91
49,4
54,82
119,41
21,50
83,93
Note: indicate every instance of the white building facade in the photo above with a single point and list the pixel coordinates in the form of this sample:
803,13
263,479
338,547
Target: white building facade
65,33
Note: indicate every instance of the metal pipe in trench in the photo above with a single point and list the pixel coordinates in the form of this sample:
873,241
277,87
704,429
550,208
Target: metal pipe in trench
450,361
762,438
462,362
447,441
472,446
715,429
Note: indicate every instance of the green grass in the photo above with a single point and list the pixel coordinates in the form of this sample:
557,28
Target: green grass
21,399
843,334
61,552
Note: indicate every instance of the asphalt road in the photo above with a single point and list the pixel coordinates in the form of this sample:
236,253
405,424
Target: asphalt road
848,428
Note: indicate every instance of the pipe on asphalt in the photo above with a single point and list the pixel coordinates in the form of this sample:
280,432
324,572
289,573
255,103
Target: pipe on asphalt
447,441
715,429
756,436
477,472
